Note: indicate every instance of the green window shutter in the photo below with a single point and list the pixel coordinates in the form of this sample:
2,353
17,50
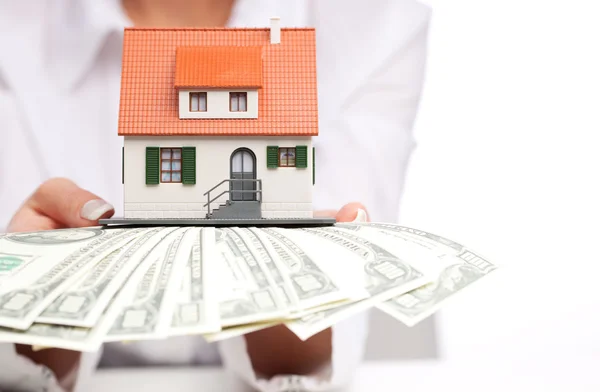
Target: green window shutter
152,165
123,165
301,157
188,167
272,157
313,165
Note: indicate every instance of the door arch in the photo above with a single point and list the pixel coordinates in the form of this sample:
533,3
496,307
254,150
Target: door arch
242,166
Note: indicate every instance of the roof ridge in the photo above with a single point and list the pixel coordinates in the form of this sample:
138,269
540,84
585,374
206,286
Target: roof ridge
216,28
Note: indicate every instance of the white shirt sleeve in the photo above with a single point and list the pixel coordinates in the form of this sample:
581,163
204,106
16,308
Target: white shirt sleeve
348,344
19,373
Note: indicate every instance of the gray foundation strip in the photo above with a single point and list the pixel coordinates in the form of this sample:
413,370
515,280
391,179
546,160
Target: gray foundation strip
273,222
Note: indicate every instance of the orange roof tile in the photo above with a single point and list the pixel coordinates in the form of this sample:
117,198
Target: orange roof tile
218,66
150,73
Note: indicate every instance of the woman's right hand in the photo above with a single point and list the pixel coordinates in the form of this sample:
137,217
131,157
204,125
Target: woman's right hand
59,203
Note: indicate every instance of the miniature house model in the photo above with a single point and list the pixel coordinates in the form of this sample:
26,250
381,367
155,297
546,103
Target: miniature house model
218,123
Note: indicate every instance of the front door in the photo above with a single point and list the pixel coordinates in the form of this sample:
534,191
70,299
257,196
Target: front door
243,166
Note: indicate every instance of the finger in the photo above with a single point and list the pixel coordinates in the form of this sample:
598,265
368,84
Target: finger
325,213
352,211
27,219
66,203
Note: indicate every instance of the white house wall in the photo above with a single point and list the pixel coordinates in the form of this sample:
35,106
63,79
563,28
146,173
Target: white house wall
287,191
217,104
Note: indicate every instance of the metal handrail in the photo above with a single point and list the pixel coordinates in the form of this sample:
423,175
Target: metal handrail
257,191
215,187
229,191
228,180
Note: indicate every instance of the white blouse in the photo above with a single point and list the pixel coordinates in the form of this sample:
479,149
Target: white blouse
59,98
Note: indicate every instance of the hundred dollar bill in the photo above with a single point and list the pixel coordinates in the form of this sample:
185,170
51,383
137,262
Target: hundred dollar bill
31,289
143,308
54,336
248,293
237,330
11,264
386,274
197,310
300,296
83,303
460,267
44,336
19,250
312,287
257,244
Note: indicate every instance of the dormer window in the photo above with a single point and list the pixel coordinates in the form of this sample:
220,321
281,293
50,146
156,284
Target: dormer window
230,77
238,102
197,102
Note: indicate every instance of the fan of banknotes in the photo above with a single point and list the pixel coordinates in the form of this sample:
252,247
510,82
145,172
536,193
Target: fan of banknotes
78,288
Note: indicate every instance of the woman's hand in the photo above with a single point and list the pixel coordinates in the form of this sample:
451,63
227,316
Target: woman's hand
348,213
59,203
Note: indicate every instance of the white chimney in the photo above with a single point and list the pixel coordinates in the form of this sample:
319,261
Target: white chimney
275,30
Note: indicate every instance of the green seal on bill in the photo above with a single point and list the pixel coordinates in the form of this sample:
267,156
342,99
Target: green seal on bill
8,263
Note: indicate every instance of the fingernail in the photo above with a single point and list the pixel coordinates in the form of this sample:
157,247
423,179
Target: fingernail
94,209
361,216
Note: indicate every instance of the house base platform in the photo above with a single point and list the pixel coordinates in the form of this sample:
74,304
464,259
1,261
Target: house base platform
271,222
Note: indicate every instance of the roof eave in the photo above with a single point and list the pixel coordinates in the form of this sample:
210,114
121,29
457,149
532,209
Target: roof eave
232,87
179,134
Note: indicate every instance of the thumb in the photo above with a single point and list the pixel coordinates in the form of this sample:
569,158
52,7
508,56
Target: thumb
351,212
64,202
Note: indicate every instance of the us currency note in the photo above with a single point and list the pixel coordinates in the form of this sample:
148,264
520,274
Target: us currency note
300,295
311,287
54,336
43,336
237,330
83,303
11,264
248,292
258,245
197,310
143,309
31,289
19,250
460,268
385,275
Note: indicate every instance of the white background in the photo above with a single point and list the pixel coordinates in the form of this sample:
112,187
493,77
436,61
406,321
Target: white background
508,162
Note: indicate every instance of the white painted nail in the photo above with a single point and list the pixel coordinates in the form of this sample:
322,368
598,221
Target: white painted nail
94,209
361,216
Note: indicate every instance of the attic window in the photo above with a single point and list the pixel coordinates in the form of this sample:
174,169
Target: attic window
237,102
197,102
